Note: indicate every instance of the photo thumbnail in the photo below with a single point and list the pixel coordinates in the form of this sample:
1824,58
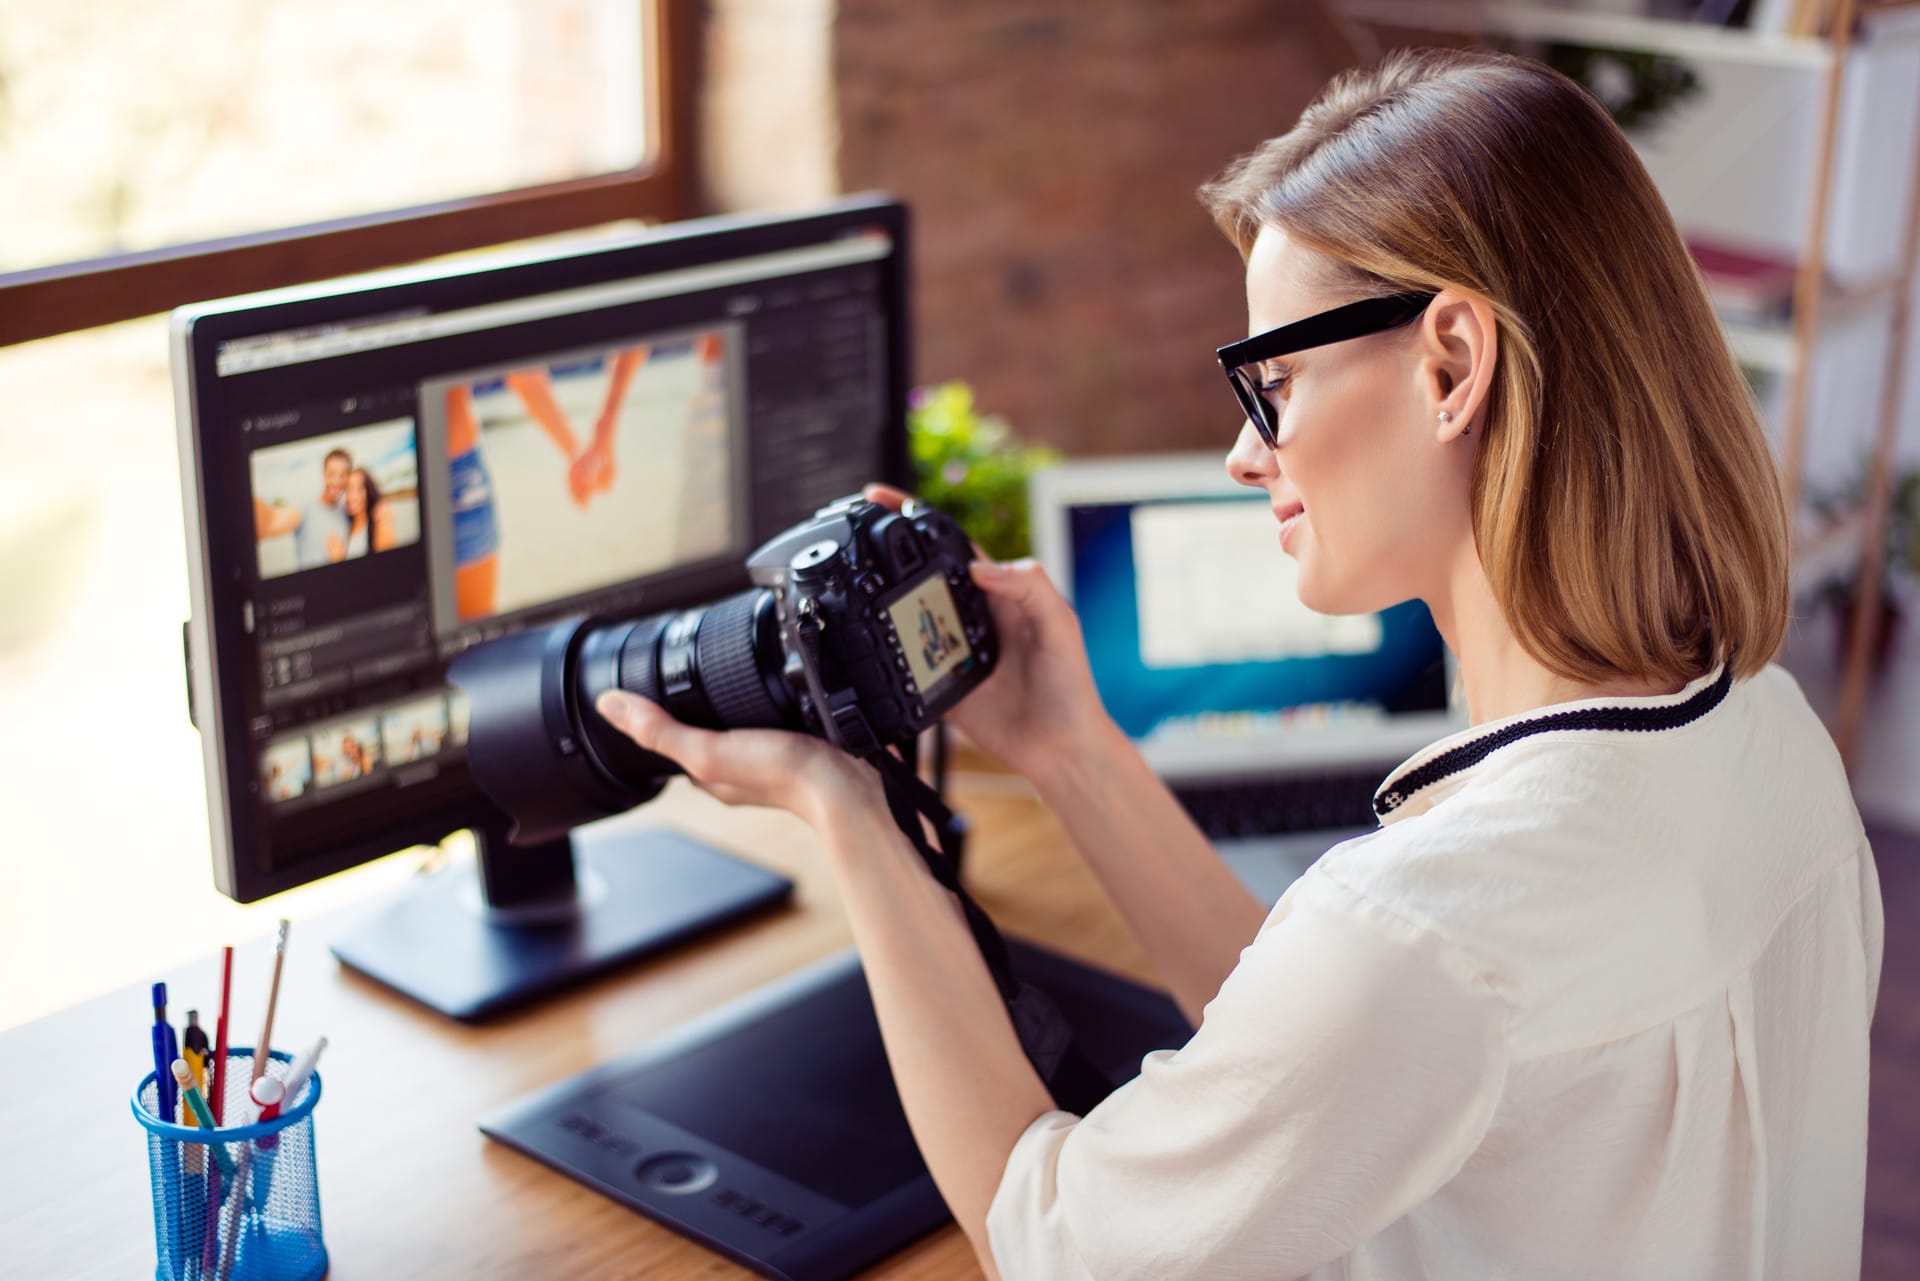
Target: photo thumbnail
337,497
588,470
457,716
928,625
414,731
286,769
346,751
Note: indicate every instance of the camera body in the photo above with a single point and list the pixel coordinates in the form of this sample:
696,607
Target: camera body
879,617
863,627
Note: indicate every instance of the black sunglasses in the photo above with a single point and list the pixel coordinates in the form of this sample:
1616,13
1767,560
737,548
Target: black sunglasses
1354,320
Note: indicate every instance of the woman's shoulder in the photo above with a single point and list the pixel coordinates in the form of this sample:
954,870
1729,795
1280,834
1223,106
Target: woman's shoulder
1609,876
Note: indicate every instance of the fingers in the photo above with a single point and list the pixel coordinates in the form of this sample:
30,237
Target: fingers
649,725
886,495
894,499
1025,585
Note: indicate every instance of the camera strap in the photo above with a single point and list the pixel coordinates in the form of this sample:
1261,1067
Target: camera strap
1045,1035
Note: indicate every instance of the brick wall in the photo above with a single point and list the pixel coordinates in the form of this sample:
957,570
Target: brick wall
1050,152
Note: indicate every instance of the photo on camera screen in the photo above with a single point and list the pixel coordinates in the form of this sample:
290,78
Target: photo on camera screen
585,470
414,731
929,628
334,498
286,769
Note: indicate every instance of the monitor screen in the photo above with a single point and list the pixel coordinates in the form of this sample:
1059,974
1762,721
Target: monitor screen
1194,627
1199,644
380,473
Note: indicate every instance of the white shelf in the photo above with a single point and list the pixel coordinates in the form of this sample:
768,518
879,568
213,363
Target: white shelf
1770,345
1577,26
1824,553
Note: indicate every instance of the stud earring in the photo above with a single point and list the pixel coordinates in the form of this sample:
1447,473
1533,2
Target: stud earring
1445,417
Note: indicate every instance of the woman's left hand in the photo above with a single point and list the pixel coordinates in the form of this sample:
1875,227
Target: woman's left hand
803,775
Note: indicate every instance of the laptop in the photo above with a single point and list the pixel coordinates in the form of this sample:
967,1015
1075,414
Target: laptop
1273,724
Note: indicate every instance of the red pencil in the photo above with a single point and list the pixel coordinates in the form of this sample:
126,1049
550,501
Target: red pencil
217,1075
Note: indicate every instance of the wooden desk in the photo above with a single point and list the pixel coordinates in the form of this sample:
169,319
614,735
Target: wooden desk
408,1185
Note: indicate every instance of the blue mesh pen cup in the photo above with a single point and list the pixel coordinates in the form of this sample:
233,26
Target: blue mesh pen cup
244,1208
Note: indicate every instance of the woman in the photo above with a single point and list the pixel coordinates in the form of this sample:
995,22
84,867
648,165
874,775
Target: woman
369,519
1593,1001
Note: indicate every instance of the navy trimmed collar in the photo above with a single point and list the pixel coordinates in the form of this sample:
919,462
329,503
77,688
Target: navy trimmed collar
1461,752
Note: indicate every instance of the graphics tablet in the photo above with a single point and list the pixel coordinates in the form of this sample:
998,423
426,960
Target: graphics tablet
770,1131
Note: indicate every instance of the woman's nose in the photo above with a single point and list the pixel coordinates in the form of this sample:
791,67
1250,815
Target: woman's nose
1250,462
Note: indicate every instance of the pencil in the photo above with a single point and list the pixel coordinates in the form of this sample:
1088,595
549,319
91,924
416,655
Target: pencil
263,1052
217,1073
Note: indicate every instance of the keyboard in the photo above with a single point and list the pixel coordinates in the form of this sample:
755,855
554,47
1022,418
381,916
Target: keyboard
1225,810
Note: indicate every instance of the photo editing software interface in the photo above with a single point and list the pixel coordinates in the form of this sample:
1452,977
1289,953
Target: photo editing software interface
1196,631
420,483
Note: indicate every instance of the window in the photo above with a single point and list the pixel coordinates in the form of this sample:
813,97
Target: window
200,149
213,121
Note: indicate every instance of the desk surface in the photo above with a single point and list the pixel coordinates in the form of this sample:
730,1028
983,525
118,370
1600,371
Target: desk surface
411,1188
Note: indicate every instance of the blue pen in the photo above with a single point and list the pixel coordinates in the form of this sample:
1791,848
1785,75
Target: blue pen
165,1051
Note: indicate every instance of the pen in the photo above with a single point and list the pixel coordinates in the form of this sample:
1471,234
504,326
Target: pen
217,1073
195,1153
163,1087
193,1048
271,1093
263,1050
302,1069
164,1051
227,1233
268,1094
191,1094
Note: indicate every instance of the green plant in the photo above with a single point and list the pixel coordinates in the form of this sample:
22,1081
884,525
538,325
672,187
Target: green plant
1841,591
1903,524
1902,559
971,466
1638,89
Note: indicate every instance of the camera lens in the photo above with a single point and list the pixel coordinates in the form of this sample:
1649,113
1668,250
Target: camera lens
541,751
719,666
547,757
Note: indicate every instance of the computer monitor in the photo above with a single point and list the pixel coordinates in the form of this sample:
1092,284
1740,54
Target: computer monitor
380,472
1200,647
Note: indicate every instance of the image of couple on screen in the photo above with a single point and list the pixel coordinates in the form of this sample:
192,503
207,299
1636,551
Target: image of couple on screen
335,498
938,640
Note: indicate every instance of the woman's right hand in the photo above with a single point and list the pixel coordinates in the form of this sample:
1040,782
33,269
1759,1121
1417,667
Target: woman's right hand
1040,701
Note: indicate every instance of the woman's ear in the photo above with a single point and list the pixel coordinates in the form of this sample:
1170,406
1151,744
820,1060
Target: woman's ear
1459,341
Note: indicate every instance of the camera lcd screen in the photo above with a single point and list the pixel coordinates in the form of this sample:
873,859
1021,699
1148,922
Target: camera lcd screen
929,628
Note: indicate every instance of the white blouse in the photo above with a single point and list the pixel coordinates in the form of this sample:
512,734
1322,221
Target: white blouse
1592,1002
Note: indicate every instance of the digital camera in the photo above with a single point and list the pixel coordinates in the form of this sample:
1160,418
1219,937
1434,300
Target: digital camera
863,627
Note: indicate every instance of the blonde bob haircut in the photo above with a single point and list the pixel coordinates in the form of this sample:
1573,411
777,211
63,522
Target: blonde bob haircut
1626,508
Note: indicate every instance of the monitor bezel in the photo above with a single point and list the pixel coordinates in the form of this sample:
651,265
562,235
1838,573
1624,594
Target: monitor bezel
218,587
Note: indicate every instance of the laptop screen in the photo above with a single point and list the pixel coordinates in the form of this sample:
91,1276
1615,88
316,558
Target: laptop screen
1197,637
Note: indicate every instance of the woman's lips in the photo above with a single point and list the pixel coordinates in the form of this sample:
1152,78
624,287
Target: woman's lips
1290,517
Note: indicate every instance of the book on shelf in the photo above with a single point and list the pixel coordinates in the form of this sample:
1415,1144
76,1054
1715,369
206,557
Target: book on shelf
1744,285
1772,17
1723,13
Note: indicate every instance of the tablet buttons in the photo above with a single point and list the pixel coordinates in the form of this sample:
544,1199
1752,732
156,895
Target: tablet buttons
677,1173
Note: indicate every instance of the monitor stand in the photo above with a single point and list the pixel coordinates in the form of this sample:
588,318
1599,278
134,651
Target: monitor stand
541,918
